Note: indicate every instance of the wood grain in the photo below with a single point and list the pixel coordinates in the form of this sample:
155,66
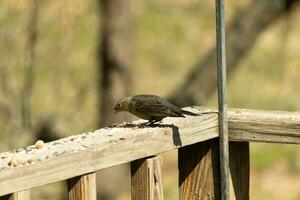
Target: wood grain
146,179
82,187
81,154
21,195
199,171
199,175
264,126
116,145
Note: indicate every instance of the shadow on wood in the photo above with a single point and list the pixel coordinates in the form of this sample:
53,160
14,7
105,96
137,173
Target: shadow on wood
239,160
175,130
21,195
199,174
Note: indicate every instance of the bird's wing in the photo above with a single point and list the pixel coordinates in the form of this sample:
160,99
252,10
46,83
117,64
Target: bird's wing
154,106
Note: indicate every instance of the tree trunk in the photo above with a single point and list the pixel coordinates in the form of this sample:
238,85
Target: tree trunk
114,57
114,81
242,33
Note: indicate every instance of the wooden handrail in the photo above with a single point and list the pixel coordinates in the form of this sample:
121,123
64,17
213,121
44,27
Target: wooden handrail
85,153
264,126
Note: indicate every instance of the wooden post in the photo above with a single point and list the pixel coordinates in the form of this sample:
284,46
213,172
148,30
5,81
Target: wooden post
22,195
146,179
82,187
199,176
239,169
199,171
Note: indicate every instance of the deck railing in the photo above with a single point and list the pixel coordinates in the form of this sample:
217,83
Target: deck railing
77,158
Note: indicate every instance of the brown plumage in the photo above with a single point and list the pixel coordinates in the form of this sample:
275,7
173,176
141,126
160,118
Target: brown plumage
150,107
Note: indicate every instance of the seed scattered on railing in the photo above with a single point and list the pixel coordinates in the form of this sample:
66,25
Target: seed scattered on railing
30,161
83,137
135,128
39,144
14,161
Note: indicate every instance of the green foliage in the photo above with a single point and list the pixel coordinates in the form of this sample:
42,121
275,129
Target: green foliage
267,156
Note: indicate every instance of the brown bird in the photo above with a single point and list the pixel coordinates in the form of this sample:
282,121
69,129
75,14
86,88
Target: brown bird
150,107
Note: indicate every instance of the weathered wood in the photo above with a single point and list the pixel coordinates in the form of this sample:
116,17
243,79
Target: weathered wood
199,175
264,126
21,195
82,187
97,150
239,161
199,170
113,146
146,179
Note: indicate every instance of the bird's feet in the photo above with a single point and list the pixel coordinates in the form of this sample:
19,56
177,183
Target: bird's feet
151,123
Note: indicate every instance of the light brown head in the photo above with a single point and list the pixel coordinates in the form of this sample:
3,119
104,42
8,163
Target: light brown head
122,105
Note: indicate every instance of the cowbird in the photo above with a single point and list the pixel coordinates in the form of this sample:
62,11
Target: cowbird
150,107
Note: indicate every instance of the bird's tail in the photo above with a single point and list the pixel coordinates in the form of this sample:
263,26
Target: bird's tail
185,112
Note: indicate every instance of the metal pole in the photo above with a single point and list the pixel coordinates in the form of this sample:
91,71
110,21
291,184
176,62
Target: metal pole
222,99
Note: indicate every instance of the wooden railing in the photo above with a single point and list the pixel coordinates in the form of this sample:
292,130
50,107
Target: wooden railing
77,158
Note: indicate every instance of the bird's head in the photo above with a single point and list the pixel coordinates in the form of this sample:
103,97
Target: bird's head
122,105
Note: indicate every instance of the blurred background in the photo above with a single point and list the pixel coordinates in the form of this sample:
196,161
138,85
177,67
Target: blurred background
64,64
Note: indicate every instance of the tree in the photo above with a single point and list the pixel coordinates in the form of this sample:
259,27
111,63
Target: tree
113,57
241,35
114,80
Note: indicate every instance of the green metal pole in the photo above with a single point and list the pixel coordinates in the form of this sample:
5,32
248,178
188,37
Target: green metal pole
222,99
